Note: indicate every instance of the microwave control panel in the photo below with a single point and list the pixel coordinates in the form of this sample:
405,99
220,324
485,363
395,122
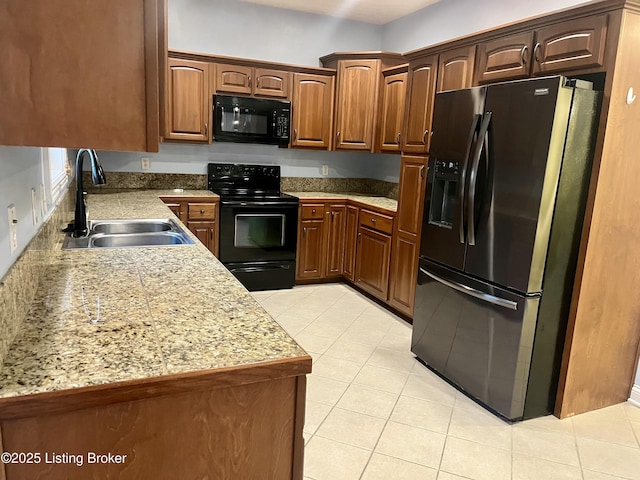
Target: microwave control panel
282,124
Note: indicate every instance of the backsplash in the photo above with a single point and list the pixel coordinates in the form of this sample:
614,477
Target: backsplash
124,180
18,286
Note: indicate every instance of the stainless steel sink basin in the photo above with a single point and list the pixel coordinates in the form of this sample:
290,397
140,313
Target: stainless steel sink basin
138,240
132,226
130,233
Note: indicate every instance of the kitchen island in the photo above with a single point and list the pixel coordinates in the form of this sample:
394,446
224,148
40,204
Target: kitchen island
157,355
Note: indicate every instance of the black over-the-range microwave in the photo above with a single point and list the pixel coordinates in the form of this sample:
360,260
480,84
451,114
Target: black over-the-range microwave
251,120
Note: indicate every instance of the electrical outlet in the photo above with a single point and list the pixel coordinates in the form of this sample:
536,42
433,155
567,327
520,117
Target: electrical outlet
34,206
325,169
145,163
13,228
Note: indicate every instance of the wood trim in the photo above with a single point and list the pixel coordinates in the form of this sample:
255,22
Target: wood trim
212,58
403,68
298,428
118,392
388,58
213,198
163,64
349,202
153,14
543,20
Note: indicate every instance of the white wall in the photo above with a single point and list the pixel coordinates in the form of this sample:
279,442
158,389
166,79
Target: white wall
189,158
20,171
235,28
449,19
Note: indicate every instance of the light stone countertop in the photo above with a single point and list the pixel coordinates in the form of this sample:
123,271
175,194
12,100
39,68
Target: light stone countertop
381,202
163,311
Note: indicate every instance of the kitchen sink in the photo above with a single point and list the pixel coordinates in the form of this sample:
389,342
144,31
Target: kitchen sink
130,233
132,226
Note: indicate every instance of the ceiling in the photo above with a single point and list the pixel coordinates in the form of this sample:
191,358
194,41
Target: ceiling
371,11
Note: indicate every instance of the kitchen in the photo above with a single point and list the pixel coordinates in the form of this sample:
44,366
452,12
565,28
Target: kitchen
303,162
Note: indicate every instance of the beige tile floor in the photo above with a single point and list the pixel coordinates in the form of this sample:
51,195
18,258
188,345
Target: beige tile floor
375,413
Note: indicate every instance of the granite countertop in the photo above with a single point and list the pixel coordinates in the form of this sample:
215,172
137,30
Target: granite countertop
163,311
381,202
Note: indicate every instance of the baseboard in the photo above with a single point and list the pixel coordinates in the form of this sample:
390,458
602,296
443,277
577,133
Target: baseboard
635,395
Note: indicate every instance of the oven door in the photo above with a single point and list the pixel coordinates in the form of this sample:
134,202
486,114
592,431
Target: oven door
257,231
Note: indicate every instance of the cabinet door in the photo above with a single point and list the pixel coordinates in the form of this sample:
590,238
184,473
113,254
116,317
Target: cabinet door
206,233
336,240
351,239
394,91
404,271
419,104
570,45
505,58
413,180
455,68
372,263
310,251
233,79
356,103
187,105
272,83
312,110
78,74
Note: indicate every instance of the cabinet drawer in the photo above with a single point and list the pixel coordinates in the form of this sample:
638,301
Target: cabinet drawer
376,221
202,211
313,211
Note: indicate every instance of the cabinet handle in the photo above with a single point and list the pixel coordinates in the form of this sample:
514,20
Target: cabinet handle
398,139
338,137
313,211
373,220
424,137
536,49
304,232
205,129
249,81
421,171
258,82
523,55
295,133
359,236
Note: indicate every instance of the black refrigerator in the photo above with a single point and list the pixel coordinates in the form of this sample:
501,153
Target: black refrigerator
509,170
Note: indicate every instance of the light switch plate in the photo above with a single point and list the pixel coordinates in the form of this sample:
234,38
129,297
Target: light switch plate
43,201
145,163
325,169
13,227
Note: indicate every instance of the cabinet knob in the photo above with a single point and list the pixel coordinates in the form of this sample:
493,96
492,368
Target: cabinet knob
313,211
536,50
201,212
373,220
523,55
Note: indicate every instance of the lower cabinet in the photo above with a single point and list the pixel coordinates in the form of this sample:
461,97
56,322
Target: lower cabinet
351,237
200,216
373,253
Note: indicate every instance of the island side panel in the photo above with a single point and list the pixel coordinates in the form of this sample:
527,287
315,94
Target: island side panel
241,432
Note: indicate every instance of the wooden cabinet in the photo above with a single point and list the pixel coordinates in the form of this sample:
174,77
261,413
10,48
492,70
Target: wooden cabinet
356,105
394,88
373,253
335,240
421,90
93,83
406,235
455,68
309,263
188,103
559,48
312,110
351,238
261,82
200,216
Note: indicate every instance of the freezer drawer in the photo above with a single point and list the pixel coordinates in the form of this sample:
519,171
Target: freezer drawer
477,336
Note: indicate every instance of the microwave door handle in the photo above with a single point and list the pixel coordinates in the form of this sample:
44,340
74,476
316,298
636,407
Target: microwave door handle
482,142
463,174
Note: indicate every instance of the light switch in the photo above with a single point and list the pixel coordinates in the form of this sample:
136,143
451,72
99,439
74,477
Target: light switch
13,228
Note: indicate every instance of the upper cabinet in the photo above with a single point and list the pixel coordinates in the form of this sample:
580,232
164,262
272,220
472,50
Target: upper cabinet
261,82
455,68
81,74
421,91
394,87
559,48
356,104
312,112
188,103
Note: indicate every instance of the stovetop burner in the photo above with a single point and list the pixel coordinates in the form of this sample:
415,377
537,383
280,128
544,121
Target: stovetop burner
238,182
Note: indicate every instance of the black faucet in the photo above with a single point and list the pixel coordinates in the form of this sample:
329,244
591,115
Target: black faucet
80,227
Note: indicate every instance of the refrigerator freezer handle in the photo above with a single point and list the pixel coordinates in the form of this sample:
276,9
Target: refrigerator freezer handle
502,302
463,174
481,142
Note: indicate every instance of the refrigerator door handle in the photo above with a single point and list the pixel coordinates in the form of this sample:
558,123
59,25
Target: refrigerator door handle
482,141
501,302
463,175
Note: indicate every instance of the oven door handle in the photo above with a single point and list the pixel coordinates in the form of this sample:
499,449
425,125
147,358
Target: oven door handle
231,203
259,269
